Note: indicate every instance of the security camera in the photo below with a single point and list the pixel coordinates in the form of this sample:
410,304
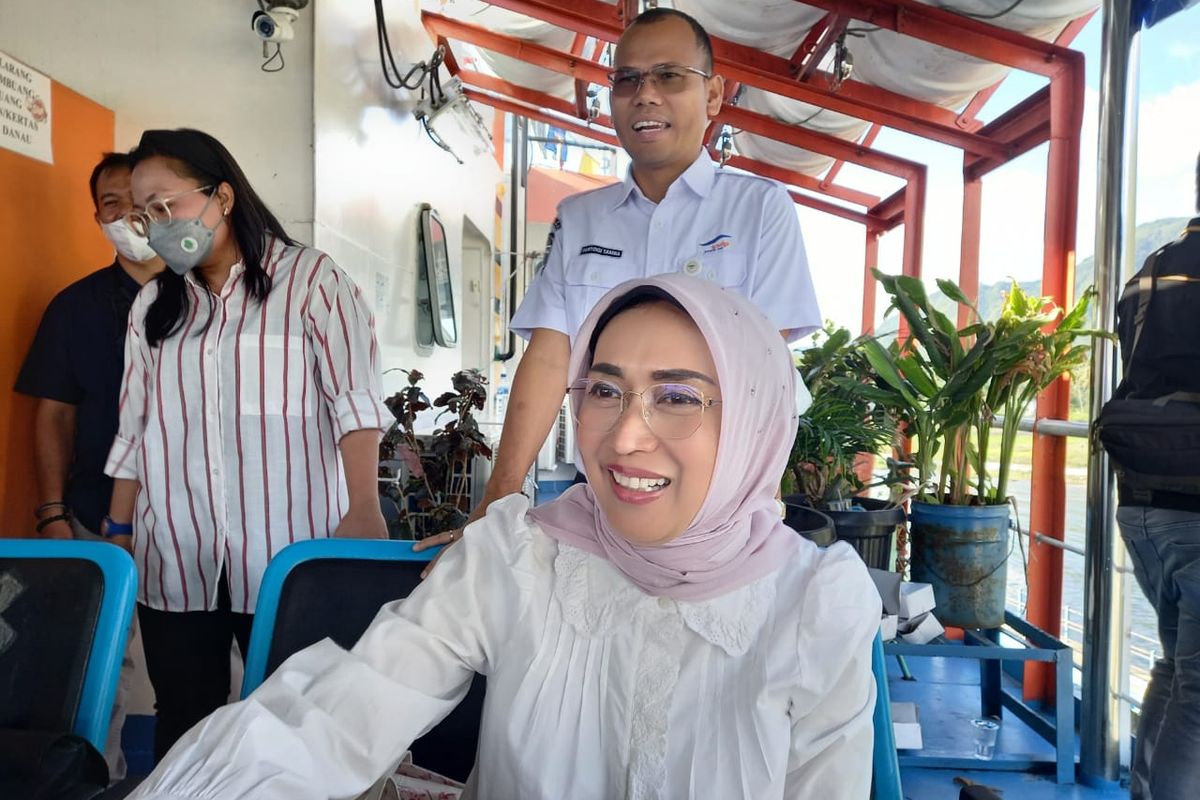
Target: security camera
275,24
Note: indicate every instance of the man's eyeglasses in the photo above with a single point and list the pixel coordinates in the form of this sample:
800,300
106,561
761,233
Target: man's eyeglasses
671,410
667,78
157,211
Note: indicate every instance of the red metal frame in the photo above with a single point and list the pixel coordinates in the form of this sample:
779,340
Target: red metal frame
799,179
867,141
502,95
820,40
581,109
534,113
870,263
1051,115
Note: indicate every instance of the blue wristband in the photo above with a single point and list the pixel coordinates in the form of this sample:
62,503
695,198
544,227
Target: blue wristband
111,529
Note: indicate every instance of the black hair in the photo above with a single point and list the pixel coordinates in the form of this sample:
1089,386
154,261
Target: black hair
107,161
703,41
196,155
637,296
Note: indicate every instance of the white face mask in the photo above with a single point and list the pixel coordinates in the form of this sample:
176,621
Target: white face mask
127,243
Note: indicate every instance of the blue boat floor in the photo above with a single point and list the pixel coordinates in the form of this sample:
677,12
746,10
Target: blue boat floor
946,691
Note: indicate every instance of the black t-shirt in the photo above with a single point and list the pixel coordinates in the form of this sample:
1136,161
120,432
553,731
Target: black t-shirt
78,357
1166,359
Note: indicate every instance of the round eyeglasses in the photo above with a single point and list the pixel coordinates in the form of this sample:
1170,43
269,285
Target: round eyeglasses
671,410
667,78
157,211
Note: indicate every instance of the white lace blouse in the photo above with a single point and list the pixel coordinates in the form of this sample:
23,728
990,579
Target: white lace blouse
595,690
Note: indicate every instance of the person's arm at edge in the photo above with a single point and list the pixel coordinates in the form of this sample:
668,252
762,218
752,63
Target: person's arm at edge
360,460
834,702
120,509
54,449
537,393
539,383
329,722
121,464
338,318
782,279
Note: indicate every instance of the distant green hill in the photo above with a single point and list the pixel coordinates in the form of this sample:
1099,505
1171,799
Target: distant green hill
1149,236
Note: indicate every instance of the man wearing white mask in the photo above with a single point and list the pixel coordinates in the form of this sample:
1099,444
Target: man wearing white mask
74,369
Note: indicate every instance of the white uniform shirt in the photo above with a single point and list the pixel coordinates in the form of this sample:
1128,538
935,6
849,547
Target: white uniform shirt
722,224
233,427
595,690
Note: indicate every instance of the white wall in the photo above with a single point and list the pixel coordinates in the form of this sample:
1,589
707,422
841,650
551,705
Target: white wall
374,166
183,63
326,127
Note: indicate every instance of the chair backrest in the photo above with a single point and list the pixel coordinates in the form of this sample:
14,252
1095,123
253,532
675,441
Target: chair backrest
334,588
885,762
65,609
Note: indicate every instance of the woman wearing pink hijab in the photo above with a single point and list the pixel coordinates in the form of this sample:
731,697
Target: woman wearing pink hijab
655,633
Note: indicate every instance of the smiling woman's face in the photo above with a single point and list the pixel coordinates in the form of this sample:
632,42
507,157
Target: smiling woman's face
650,344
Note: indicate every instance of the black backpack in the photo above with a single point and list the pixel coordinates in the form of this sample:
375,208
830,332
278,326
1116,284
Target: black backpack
1154,441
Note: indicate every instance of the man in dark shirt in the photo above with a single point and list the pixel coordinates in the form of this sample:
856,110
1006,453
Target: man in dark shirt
74,369
75,364
1161,529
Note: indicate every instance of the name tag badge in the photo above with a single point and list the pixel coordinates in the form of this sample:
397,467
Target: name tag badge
595,249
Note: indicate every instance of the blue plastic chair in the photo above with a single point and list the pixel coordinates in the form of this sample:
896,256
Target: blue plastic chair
267,651
885,762
96,584
334,588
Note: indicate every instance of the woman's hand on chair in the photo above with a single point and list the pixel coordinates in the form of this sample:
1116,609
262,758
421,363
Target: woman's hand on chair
447,538
362,522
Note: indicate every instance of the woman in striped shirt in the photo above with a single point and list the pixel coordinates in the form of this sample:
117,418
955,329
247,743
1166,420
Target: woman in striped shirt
250,415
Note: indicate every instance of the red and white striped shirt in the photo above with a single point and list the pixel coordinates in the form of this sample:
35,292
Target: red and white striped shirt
232,426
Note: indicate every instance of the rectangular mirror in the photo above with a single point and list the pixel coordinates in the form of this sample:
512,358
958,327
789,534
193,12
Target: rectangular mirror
435,296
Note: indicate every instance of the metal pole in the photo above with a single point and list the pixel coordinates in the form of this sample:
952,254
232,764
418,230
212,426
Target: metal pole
1100,724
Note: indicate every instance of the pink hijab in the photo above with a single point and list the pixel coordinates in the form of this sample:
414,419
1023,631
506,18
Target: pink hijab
737,535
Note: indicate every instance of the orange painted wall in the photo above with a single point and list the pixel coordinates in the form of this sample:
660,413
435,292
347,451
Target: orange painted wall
48,239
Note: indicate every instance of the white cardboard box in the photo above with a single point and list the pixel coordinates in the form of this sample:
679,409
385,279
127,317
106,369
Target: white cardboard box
924,628
888,584
887,627
915,599
906,724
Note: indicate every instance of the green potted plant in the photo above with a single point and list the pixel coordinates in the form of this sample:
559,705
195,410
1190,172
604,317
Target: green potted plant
948,385
836,442
427,479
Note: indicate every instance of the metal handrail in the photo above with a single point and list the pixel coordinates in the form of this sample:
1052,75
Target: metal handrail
1048,426
1070,548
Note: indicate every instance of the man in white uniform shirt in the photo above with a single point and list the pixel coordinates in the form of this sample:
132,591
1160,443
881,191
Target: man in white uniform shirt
676,211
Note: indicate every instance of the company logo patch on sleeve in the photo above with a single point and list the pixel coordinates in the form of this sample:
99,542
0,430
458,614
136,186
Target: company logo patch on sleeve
718,242
589,249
